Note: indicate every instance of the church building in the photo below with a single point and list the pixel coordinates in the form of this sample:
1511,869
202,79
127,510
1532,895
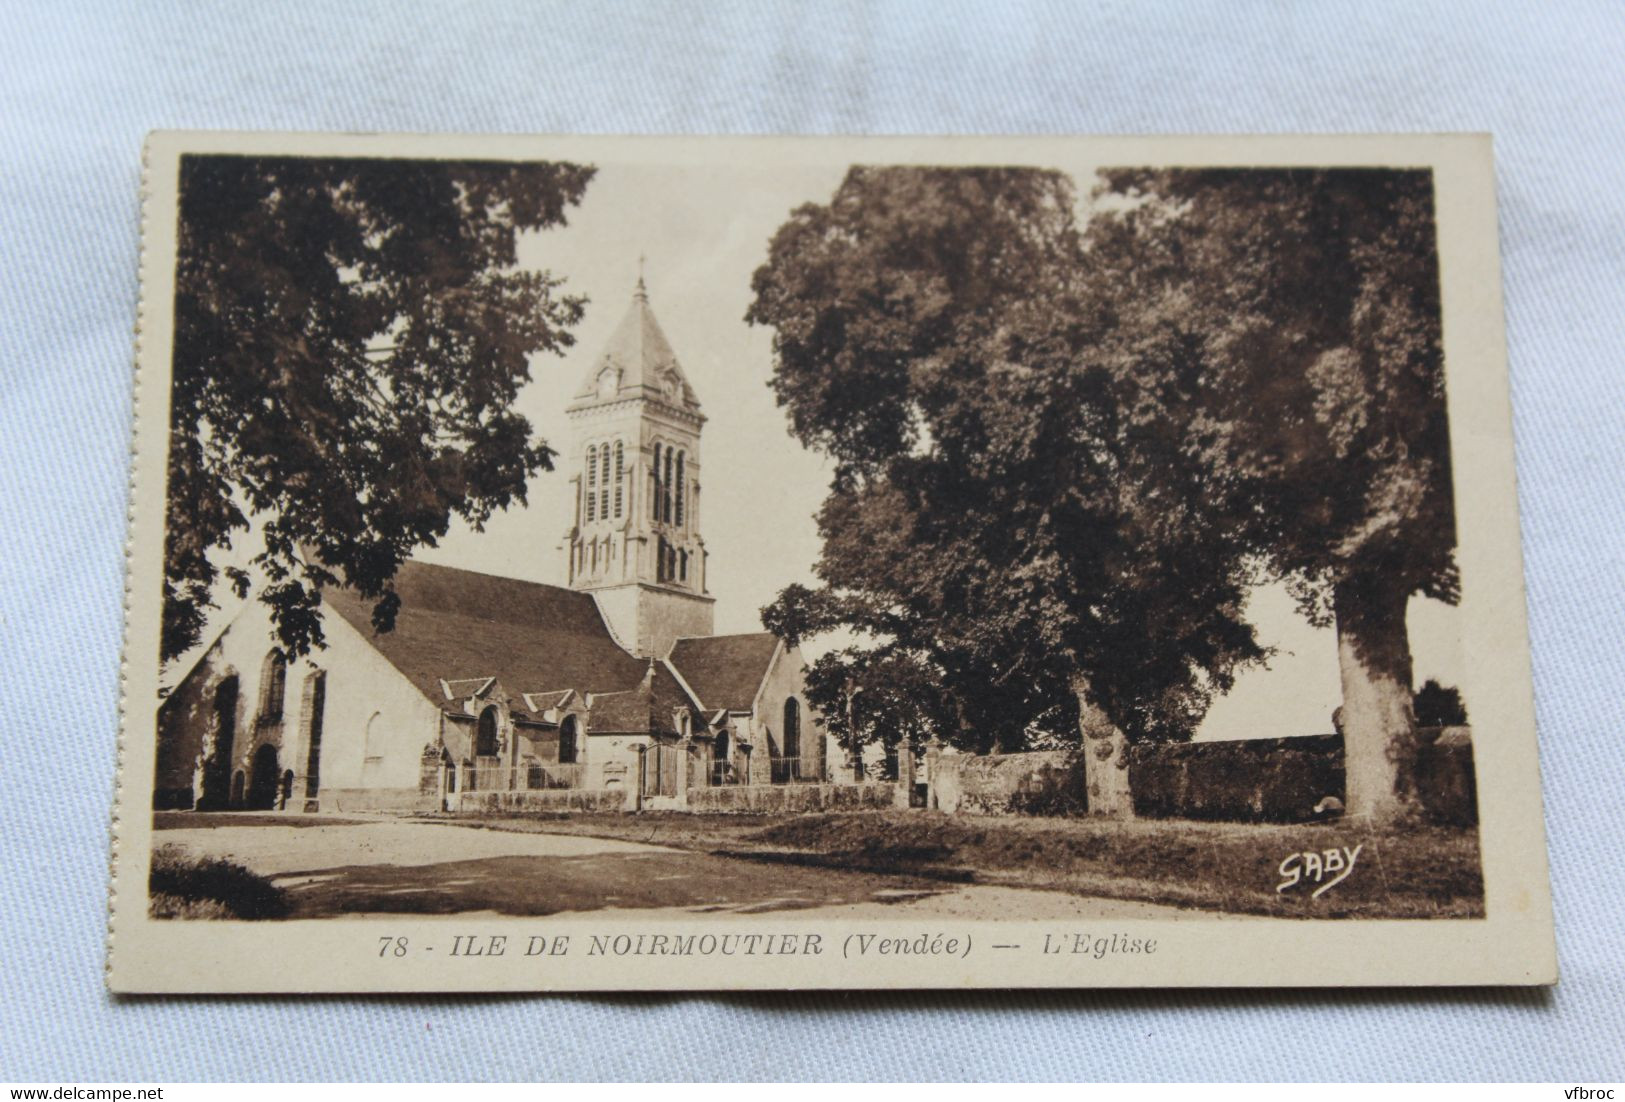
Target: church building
494,693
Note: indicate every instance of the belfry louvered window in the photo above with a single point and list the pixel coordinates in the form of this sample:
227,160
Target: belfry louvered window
592,484
681,487
603,481
654,498
620,478
665,495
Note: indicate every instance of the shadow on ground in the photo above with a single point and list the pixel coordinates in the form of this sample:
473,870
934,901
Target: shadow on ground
524,885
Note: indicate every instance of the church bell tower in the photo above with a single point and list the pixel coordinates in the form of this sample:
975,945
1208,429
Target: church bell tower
635,460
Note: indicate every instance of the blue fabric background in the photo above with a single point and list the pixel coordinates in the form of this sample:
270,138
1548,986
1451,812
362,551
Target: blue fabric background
81,84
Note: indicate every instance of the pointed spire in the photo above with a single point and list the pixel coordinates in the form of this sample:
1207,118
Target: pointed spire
637,360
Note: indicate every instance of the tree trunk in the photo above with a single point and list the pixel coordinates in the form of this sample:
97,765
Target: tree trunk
1378,726
1105,758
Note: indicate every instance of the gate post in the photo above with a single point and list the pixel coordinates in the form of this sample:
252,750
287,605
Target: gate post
684,763
903,793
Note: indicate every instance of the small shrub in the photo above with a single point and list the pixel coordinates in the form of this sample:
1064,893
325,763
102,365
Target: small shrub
1438,705
183,886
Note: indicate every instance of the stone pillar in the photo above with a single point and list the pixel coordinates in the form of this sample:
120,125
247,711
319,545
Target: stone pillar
933,759
1105,762
685,749
902,796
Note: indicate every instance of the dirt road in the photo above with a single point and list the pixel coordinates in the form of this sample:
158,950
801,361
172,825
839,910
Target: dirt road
391,867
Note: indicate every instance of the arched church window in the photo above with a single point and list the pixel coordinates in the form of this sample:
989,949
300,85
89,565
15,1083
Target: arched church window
681,486
682,565
485,736
620,475
592,483
273,686
792,729
567,741
603,481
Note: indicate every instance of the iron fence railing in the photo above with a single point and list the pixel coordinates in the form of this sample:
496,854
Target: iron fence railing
554,775
495,775
725,773
796,770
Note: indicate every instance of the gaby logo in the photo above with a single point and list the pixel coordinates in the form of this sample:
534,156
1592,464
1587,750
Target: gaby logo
1325,868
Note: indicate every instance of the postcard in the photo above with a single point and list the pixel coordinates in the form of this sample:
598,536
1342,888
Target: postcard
566,563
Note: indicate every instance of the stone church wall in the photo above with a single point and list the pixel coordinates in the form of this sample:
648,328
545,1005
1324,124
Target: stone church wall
647,619
375,723
784,681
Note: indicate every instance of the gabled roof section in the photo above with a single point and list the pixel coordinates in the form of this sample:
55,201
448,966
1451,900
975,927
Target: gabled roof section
456,625
725,671
650,707
466,687
546,702
637,362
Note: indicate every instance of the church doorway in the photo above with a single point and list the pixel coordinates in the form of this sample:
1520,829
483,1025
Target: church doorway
264,778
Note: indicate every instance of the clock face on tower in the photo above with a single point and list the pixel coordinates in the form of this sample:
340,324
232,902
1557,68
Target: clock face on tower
672,385
609,381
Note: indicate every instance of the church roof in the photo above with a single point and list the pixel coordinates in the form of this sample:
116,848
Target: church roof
457,624
725,671
648,707
641,362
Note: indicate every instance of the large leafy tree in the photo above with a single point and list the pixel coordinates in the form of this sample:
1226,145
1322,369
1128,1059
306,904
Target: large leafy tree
1014,501
884,697
350,335
1316,298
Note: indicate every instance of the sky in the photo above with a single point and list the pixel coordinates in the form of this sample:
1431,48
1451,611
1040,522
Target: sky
698,232
703,231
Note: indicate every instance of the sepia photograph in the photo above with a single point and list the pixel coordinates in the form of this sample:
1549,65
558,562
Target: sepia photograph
748,551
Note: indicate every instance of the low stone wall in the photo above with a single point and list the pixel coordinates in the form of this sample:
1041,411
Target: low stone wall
539,799
1041,782
1247,780
790,798
371,799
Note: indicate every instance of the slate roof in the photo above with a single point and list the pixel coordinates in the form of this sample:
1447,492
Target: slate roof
466,687
542,702
643,355
725,671
457,624
648,707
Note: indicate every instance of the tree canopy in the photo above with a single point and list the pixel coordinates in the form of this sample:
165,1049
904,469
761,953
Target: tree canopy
1011,501
350,335
1315,297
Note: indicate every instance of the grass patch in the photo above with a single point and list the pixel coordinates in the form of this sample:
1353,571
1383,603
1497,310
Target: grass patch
183,886
1233,868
